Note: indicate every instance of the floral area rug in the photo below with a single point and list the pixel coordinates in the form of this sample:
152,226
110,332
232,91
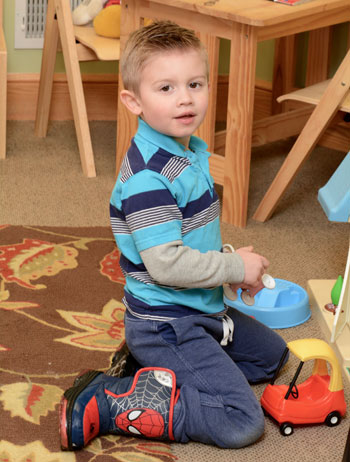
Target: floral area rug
61,313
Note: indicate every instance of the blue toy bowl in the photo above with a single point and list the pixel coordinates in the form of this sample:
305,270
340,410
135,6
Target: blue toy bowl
287,305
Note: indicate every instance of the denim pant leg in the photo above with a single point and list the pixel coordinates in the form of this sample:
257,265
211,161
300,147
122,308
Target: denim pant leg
256,349
216,404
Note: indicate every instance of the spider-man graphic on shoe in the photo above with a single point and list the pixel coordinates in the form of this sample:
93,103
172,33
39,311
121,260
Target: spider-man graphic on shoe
98,404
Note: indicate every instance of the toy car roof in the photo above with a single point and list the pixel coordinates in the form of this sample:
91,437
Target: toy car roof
322,353
312,348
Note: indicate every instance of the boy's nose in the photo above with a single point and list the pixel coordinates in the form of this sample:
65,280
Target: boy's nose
184,97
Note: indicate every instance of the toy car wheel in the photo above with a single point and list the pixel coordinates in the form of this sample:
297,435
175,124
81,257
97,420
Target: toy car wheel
286,429
333,419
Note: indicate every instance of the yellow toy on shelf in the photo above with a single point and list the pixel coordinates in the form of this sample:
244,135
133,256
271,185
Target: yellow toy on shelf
104,14
107,22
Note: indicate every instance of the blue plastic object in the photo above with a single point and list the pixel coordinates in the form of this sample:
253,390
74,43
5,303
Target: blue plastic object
334,197
286,305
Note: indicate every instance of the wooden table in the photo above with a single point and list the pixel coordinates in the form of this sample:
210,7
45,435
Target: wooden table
3,87
244,23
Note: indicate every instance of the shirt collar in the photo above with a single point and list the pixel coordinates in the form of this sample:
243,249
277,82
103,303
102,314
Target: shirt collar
168,143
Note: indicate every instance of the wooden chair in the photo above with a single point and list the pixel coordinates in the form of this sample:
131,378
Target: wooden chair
329,97
3,87
78,43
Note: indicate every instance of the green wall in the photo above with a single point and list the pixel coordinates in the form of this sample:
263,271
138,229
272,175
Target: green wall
28,61
264,64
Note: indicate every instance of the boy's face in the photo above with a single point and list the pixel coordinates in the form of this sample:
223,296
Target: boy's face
173,93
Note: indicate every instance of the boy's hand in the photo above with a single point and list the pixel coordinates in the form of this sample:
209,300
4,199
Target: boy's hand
252,290
254,267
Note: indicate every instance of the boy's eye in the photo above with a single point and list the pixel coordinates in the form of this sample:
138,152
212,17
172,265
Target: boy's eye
195,85
165,88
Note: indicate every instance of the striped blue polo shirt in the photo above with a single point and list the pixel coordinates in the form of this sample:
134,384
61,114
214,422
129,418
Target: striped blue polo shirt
164,193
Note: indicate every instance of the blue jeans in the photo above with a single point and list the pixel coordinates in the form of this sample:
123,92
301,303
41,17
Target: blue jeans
216,404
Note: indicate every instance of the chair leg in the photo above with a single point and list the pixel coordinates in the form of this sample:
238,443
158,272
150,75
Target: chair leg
70,55
294,161
3,87
3,98
313,130
47,71
126,122
283,70
207,129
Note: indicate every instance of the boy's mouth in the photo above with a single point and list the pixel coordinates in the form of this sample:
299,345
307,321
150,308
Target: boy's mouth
185,117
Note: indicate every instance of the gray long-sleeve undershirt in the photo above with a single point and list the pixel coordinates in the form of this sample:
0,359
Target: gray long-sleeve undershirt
178,265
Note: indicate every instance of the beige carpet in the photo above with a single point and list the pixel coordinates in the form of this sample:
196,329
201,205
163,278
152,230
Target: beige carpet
41,183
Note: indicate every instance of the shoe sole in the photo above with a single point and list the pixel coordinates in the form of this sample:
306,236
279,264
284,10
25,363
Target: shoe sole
66,408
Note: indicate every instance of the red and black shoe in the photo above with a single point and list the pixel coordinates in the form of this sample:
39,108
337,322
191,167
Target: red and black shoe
98,404
123,363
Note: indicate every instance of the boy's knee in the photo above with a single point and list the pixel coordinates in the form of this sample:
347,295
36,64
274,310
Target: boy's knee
244,431
229,423
280,353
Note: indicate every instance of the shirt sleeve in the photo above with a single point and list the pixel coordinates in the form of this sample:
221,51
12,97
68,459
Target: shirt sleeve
178,265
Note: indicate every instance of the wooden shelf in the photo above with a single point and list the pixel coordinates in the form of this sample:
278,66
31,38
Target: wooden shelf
320,294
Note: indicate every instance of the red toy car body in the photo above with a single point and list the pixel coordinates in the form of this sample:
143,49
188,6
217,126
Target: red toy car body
320,398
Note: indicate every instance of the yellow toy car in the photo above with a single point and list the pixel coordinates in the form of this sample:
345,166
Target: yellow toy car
319,399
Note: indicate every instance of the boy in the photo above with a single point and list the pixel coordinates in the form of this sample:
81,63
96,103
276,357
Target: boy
197,355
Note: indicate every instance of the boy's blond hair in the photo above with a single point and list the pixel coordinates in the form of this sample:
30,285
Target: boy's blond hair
157,37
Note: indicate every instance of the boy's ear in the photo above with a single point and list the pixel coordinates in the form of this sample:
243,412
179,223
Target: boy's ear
131,101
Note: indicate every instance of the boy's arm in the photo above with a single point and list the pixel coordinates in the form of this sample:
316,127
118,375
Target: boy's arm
177,265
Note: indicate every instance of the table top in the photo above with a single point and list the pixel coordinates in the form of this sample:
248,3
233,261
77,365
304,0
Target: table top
258,12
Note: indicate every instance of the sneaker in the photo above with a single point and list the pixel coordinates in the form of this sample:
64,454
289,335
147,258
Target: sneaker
123,364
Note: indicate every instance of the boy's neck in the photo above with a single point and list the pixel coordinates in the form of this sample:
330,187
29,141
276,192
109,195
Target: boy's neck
185,142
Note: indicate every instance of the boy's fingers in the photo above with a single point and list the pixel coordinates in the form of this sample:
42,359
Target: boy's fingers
265,262
249,248
254,290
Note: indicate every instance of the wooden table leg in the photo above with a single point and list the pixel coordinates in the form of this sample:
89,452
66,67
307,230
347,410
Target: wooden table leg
285,63
318,55
76,92
207,129
3,92
283,70
47,71
126,122
239,124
